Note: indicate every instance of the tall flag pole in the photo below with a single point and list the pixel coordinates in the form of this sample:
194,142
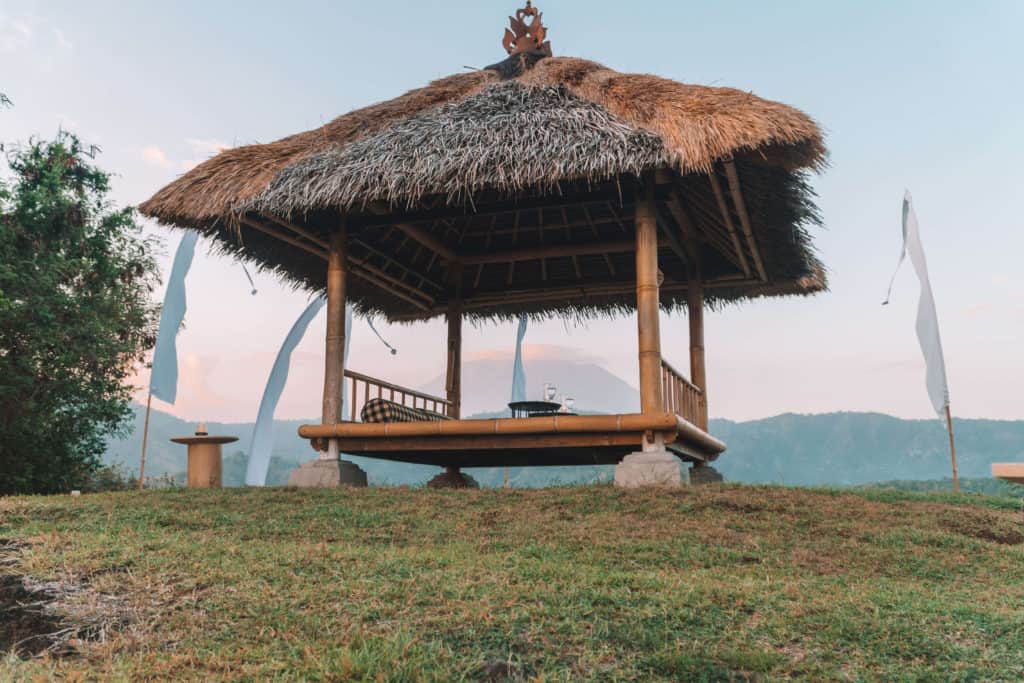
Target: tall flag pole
927,326
163,378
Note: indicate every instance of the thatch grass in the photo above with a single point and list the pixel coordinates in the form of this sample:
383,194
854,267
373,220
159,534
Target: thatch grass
208,196
698,126
714,583
507,138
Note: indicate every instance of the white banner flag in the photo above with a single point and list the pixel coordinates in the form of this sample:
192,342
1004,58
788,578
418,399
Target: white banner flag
262,443
927,318
163,378
518,373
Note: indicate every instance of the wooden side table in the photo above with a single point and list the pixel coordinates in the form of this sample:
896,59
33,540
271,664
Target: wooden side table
205,469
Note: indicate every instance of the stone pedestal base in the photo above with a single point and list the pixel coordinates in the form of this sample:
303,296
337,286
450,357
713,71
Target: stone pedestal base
452,478
654,468
326,474
705,474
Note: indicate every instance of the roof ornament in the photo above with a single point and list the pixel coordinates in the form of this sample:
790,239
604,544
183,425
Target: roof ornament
523,37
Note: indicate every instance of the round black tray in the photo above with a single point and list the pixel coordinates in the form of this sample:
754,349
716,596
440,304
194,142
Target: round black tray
533,408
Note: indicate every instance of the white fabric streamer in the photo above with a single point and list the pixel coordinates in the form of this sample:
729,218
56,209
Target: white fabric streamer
262,443
263,432
163,379
927,318
518,372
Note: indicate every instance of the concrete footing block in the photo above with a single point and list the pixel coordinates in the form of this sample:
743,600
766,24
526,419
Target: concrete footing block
705,474
326,474
452,478
652,468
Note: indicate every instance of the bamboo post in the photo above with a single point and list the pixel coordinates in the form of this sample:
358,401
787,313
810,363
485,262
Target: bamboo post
952,448
695,315
145,438
335,353
647,301
453,383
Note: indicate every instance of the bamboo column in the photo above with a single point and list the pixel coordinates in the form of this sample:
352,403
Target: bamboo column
453,383
647,301
335,355
695,315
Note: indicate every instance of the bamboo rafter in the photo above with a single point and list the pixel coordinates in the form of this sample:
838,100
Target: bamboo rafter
741,209
358,267
716,189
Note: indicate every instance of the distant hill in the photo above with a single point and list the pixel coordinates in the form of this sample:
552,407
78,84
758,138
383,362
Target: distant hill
860,448
831,449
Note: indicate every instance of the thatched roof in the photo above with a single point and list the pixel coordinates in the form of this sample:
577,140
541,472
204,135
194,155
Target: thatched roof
468,154
546,136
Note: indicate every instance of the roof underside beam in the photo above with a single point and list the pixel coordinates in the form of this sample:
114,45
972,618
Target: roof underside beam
419,234
580,291
551,251
315,240
741,209
406,255
689,228
359,267
723,209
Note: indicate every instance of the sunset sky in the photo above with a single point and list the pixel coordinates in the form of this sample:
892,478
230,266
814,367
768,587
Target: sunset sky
914,94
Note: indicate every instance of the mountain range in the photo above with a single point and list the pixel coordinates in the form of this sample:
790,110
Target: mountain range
824,449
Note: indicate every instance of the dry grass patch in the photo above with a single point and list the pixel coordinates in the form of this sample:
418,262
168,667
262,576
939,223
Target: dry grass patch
588,583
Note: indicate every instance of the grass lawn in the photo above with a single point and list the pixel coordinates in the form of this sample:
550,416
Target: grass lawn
585,583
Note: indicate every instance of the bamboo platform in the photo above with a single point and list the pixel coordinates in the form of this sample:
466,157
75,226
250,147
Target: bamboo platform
535,441
1012,472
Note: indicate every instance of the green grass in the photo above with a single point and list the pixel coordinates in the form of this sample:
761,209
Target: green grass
588,583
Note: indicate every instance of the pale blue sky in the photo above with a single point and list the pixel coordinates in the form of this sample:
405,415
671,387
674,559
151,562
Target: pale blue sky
922,95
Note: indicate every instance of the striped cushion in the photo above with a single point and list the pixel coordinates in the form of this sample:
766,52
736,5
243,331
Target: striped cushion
382,410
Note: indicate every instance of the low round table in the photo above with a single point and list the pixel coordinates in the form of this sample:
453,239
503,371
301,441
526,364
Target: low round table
204,459
535,408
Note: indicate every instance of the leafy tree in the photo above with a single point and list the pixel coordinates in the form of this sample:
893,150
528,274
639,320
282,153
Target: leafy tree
76,278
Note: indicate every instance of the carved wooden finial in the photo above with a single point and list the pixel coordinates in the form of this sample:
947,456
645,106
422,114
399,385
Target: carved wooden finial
523,37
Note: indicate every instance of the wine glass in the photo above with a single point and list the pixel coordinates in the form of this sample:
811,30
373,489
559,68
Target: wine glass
570,403
549,392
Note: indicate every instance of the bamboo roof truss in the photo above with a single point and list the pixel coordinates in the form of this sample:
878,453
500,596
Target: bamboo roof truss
573,246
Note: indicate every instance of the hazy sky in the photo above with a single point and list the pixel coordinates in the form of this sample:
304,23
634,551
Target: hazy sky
921,95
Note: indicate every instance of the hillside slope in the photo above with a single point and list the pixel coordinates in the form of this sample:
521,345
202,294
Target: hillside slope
589,583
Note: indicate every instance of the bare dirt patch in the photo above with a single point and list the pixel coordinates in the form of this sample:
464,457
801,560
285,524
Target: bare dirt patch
983,526
55,616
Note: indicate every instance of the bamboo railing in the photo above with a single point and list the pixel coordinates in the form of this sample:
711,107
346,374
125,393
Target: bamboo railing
682,397
363,388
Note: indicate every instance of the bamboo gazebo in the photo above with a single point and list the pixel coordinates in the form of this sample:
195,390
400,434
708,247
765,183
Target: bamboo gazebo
541,185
